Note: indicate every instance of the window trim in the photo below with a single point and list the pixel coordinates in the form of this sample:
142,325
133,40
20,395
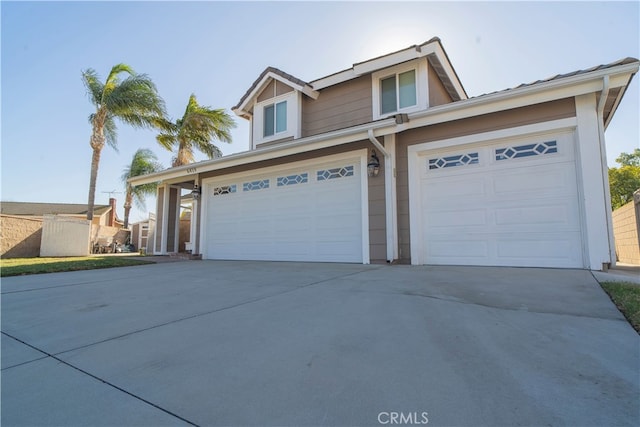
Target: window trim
422,89
293,118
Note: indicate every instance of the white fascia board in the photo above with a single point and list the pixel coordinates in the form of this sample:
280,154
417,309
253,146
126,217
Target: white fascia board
442,57
334,79
393,59
189,172
376,64
242,108
514,98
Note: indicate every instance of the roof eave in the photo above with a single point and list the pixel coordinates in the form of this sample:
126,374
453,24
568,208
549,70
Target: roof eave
556,89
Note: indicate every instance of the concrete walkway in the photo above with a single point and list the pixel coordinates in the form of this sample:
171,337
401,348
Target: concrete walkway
295,344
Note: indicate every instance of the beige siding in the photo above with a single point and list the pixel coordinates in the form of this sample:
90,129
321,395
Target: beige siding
438,95
626,226
501,120
338,107
377,216
159,219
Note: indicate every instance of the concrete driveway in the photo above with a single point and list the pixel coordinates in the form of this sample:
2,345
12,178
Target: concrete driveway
294,344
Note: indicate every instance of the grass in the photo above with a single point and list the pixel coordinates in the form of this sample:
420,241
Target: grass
626,296
23,266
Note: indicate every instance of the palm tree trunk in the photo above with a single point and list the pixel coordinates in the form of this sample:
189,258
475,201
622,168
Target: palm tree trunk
95,161
127,208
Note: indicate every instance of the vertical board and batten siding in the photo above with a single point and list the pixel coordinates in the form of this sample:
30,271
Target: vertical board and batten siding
273,89
341,106
159,220
63,236
547,111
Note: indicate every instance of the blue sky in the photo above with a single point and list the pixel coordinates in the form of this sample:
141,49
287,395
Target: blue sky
217,49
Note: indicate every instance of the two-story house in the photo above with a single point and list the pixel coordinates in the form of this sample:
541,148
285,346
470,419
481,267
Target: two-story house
390,160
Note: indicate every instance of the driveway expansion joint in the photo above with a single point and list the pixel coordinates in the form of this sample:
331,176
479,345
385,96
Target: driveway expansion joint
82,371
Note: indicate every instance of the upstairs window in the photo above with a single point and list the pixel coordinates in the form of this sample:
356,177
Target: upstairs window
400,89
275,119
398,92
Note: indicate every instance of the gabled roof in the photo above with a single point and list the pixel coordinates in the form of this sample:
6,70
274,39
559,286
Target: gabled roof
432,49
40,209
262,80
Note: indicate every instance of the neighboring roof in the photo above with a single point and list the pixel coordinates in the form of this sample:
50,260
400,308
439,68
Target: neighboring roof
40,209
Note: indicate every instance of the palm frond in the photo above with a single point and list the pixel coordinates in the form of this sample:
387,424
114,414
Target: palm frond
110,132
167,140
113,80
94,87
144,162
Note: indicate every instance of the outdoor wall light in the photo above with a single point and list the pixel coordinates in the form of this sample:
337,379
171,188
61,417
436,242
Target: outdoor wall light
373,167
196,192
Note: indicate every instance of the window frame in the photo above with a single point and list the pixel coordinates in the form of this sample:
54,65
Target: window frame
291,122
421,87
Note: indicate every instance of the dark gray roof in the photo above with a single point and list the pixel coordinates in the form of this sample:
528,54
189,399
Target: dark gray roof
623,61
274,70
40,209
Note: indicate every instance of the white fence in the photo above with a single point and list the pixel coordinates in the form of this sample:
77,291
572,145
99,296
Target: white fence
64,236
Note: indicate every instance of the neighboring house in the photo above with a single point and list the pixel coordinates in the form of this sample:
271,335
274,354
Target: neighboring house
102,214
142,234
511,178
21,224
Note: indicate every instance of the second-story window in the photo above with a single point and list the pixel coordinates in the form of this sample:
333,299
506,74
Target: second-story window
275,118
398,92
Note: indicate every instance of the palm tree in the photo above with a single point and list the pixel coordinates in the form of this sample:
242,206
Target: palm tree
195,130
144,161
134,100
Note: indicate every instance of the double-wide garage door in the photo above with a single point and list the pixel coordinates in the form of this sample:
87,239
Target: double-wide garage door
507,203
306,212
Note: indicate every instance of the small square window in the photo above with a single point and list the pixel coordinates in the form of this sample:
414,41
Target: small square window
398,92
275,118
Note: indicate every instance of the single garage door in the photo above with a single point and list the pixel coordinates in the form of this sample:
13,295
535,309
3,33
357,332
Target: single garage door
311,212
508,203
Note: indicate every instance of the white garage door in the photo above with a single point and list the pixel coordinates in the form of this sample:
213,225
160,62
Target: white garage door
305,213
513,203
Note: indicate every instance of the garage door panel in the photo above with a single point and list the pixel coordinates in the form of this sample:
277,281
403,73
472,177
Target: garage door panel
545,179
288,215
508,211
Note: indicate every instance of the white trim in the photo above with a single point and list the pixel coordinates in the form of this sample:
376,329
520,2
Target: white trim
418,256
390,196
596,213
571,86
349,155
165,219
292,100
249,100
364,202
422,96
176,243
448,68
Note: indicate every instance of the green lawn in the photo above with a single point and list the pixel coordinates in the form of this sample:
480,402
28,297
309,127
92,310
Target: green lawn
22,266
626,296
